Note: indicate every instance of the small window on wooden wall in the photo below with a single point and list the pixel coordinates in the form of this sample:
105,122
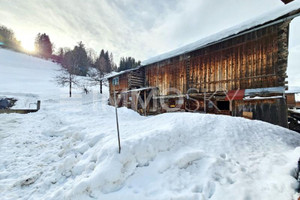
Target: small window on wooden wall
115,81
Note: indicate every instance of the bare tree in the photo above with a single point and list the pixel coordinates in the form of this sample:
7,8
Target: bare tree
97,77
66,78
92,57
113,65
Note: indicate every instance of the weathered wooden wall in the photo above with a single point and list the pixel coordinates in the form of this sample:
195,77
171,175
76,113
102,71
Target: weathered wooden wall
136,79
130,80
269,110
123,84
290,100
255,60
166,75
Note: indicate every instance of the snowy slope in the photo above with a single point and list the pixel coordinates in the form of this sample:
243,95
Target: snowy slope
68,150
15,71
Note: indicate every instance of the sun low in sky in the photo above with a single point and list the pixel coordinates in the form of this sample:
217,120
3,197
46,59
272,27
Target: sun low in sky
140,29
28,44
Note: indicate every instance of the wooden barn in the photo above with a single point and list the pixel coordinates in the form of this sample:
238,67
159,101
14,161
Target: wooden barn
240,71
293,98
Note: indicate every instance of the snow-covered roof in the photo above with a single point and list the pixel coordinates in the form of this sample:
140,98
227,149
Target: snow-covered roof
121,72
275,90
297,97
260,20
293,89
140,89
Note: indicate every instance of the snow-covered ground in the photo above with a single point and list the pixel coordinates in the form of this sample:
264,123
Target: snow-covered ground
68,150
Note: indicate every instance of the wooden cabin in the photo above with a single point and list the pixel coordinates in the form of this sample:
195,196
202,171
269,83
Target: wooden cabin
290,100
293,97
240,72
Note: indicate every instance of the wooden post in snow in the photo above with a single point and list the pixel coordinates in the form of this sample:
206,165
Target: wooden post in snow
100,86
205,102
38,105
145,102
70,85
117,120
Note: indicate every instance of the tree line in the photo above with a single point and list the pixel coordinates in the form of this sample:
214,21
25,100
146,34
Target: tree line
8,39
128,63
77,60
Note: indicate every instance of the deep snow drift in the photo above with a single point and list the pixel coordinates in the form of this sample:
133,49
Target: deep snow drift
68,150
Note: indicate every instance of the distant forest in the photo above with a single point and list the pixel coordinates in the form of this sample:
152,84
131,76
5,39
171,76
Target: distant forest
77,60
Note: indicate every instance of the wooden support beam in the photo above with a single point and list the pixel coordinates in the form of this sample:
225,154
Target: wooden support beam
145,101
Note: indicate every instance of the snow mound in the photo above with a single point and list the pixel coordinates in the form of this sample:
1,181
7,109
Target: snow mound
187,156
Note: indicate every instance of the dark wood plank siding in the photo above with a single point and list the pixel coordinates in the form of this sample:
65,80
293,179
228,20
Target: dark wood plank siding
136,79
167,75
254,60
123,84
269,110
290,100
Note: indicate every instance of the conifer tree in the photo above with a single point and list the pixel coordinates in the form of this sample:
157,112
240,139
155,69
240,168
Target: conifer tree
103,63
80,60
43,45
8,39
128,63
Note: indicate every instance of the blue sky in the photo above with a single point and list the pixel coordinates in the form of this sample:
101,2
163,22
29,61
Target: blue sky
138,28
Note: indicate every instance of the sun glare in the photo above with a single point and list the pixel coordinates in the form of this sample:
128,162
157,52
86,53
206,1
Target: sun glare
28,45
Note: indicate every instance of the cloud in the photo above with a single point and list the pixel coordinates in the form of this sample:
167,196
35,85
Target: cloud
138,28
